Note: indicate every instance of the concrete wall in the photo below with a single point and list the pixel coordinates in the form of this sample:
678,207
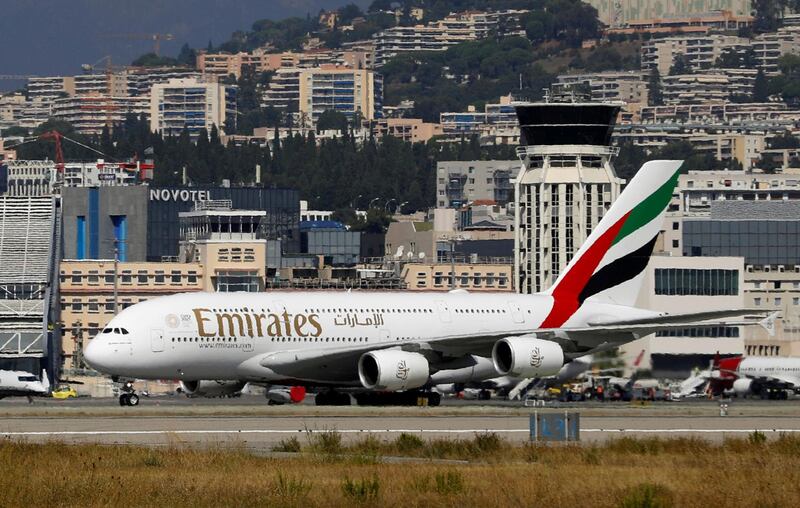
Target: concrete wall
130,202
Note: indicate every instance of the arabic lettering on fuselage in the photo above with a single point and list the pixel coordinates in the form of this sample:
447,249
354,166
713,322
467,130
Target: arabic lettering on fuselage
353,319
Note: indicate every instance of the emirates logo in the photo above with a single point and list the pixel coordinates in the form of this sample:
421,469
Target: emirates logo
402,370
536,358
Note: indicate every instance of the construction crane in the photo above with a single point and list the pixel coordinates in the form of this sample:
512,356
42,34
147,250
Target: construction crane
56,137
155,37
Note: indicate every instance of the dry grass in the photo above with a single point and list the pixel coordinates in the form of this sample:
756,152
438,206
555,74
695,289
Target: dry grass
330,472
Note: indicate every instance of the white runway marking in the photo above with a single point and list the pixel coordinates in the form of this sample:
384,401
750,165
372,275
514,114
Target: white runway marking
370,431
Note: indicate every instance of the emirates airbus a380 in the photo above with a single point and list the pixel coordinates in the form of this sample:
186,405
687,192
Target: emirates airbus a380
402,341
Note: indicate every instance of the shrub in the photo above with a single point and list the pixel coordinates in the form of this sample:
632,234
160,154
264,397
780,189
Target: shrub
647,495
488,442
328,442
757,438
406,443
291,445
153,460
450,482
291,488
363,490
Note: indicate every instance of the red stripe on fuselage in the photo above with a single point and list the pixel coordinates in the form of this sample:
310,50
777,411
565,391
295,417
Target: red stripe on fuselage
566,293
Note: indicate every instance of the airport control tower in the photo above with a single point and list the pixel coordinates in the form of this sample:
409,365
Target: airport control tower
565,185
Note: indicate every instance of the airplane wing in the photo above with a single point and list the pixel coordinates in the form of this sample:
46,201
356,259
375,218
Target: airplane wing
340,364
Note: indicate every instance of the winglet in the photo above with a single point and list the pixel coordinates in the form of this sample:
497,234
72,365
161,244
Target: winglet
768,323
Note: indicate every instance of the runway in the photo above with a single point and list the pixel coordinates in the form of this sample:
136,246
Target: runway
231,425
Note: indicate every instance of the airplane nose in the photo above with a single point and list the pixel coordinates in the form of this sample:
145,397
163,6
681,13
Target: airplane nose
96,353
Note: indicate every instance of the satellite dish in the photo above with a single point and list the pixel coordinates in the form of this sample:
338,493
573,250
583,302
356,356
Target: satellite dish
421,255
410,255
399,252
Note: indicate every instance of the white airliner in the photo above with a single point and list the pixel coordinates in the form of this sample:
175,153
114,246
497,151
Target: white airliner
760,376
394,341
20,383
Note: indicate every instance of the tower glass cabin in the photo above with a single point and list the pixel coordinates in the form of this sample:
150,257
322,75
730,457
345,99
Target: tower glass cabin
565,185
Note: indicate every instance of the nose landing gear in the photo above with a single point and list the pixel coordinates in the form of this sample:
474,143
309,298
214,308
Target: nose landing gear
128,396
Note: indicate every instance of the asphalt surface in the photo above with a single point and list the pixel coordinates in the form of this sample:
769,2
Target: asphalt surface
249,422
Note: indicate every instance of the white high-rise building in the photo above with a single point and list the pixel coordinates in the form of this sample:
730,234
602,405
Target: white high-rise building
192,104
565,186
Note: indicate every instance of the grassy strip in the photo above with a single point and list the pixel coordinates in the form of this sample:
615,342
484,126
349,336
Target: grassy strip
627,472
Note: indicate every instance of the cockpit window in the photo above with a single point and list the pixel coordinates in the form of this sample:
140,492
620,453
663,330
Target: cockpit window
124,331
116,330
106,330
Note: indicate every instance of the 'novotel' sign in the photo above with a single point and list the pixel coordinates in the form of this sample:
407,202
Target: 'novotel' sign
179,195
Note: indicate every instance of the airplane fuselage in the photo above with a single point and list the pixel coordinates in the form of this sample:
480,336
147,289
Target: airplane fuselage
196,336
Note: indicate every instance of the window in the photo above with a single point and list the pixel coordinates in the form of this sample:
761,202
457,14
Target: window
778,301
795,301
757,301
141,278
675,244
175,277
696,282
675,226
159,277
192,277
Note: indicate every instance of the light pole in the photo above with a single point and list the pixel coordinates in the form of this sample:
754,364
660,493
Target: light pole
354,203
386,206
372,201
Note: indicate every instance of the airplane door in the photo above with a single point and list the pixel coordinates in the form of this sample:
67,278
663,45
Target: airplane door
516,313
444,311
157,340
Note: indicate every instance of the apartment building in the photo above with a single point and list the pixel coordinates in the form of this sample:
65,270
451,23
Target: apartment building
87,295
260,60
90,114
700,51
770,47
630,87
771,113
461,182
412,130
310,92
51,87
192,104
621,12
714,21
714,86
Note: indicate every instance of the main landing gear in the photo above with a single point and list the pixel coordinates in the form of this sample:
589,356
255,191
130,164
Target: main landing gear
128,396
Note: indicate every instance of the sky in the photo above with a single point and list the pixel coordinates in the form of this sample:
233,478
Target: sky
55,37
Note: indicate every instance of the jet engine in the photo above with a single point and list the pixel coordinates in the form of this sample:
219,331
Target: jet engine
527,357
393,370
211,388
743,386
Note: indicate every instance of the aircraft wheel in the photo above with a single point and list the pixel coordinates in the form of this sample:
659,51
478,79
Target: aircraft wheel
133,400
123,399
342,399
434,399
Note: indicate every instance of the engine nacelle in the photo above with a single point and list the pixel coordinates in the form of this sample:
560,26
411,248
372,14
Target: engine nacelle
393,370
527,357
211,388
743,386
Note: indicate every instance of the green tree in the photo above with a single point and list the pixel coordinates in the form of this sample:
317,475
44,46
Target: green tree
332,120
187,56
760,87
655,95
680,65
153,60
